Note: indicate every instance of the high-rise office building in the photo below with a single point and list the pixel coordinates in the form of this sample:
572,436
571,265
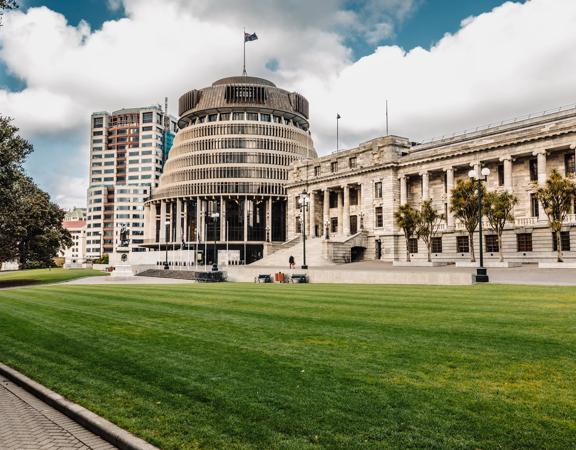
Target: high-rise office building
128,149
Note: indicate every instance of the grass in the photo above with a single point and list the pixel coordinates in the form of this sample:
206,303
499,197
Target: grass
44,276
241,366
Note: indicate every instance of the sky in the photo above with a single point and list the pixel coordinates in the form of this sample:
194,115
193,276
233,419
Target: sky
443,65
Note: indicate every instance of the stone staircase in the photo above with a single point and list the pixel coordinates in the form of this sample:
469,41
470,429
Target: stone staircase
314,254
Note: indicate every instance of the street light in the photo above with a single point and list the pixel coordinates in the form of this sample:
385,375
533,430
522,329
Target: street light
214,216
303,201
481,272
166,224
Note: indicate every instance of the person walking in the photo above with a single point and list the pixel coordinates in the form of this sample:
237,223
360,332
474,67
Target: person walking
291,262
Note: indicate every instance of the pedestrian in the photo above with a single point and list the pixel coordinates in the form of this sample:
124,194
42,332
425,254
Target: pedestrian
291,262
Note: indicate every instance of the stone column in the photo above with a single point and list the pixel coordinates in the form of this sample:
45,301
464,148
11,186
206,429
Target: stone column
403,190
326,215
346,212
507,161
223,223
152,222
186,234
425,185
178,221
245,211
541,161
162,220
449,187
340,212
311,215
199,222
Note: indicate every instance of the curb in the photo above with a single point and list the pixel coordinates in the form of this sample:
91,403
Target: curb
92,422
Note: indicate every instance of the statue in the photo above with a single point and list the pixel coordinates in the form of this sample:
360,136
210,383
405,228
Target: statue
124,241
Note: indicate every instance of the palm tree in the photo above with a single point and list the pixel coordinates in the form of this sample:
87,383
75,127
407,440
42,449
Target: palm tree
556,198
408,219
498,208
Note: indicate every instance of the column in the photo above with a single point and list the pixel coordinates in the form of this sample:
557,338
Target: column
186,234
507,161
449,187
152,222
245,211
222,219
425,186
541,161
178,221
162,221
269,218
340,212
403,191
146,221
199,230
326,215
346,212
311,215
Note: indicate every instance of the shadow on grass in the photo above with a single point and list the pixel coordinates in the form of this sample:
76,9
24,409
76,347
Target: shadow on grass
17,283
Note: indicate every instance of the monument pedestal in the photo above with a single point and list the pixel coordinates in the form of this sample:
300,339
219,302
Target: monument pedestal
124,269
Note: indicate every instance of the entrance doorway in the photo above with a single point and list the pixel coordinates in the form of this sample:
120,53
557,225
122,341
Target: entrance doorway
353,224
378,249
357,254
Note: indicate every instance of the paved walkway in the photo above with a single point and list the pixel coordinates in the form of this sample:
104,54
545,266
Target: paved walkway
27,423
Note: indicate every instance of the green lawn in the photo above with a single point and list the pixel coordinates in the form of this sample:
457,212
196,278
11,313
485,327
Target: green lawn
239,366
44,276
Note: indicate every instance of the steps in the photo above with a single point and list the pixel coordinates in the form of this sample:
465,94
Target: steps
294,248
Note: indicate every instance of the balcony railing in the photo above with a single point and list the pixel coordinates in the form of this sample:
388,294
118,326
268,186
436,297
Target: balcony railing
524,221
570,219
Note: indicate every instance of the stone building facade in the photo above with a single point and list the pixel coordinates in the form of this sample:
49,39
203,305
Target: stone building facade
354,193
222,189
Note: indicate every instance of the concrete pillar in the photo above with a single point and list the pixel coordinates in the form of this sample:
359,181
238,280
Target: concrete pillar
245,210
541,160
152,222
507,161
449,187
425,186
199,222
162,220
185,233
178,221
346,212
269,218
403,190
223,219
146,222
340,212
326,215
312,215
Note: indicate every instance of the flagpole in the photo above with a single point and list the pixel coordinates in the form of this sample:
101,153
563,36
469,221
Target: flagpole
337,132
244,65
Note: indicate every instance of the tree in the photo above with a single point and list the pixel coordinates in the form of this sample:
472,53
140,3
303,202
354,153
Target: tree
13,151
408,219
556,196
464,205
498,208
30,224
428,225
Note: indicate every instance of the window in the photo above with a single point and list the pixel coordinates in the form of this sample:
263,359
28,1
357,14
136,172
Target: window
569,164
334,166
98,122
252,116
352,162
212,117
317,171
333,199
378,189
147,117
534,206
225,116
492,243
524,242
533,167
147,128
413,245
500,174
436,245
564,241
334,225
462,244
238,116
379,217
353,197
265,117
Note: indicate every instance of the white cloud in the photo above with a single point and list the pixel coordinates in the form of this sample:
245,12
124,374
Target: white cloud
517,58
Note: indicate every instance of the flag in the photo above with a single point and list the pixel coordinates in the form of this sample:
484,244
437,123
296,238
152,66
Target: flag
250,37
338,116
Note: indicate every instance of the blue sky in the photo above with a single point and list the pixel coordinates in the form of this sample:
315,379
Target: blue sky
328,50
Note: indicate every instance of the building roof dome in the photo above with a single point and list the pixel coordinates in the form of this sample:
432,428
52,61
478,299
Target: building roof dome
243,79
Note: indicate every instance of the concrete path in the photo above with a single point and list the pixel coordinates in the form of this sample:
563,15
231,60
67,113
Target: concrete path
27,423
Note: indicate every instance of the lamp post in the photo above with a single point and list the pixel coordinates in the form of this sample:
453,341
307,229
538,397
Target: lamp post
481,272
166,224
303,201
215,216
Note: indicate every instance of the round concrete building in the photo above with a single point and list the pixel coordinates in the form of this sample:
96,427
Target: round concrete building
223,183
